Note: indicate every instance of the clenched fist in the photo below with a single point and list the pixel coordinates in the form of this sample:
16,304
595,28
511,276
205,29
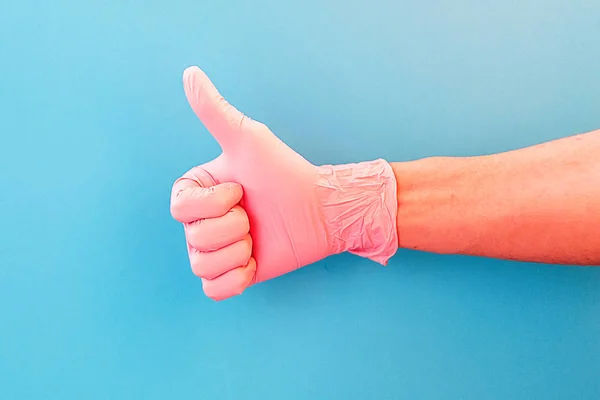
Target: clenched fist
260,210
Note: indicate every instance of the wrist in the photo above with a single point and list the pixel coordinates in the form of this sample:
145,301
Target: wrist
359,206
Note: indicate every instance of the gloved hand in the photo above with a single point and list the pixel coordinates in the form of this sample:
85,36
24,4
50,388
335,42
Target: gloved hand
260,210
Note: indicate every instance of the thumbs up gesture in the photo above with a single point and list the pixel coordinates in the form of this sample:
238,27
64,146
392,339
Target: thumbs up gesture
261,210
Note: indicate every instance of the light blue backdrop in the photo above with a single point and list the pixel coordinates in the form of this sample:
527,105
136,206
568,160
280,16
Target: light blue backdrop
97,300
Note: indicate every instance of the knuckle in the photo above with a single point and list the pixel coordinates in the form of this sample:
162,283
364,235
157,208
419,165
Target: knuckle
240,283
241,218
257,126
194,233
239,288
237,209
244,278
199,265
177,210
211,291
247,246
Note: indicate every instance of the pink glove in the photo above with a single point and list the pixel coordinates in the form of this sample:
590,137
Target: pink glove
260,210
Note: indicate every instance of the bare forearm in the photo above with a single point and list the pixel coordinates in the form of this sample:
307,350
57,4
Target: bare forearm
540,204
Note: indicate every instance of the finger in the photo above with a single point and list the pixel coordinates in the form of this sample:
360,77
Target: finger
191,202
231,283
214,233
221,119
210,265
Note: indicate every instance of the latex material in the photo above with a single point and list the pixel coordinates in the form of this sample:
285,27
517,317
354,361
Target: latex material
261,210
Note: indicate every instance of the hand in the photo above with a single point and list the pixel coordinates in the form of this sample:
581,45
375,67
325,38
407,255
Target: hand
260,210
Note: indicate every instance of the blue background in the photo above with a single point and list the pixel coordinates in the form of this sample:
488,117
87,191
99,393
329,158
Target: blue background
97,299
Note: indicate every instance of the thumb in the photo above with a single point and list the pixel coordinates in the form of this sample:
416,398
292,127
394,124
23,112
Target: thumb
221,119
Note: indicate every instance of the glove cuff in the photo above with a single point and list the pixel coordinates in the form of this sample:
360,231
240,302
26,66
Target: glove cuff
359,206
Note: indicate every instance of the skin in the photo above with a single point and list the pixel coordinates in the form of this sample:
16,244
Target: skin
537,204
